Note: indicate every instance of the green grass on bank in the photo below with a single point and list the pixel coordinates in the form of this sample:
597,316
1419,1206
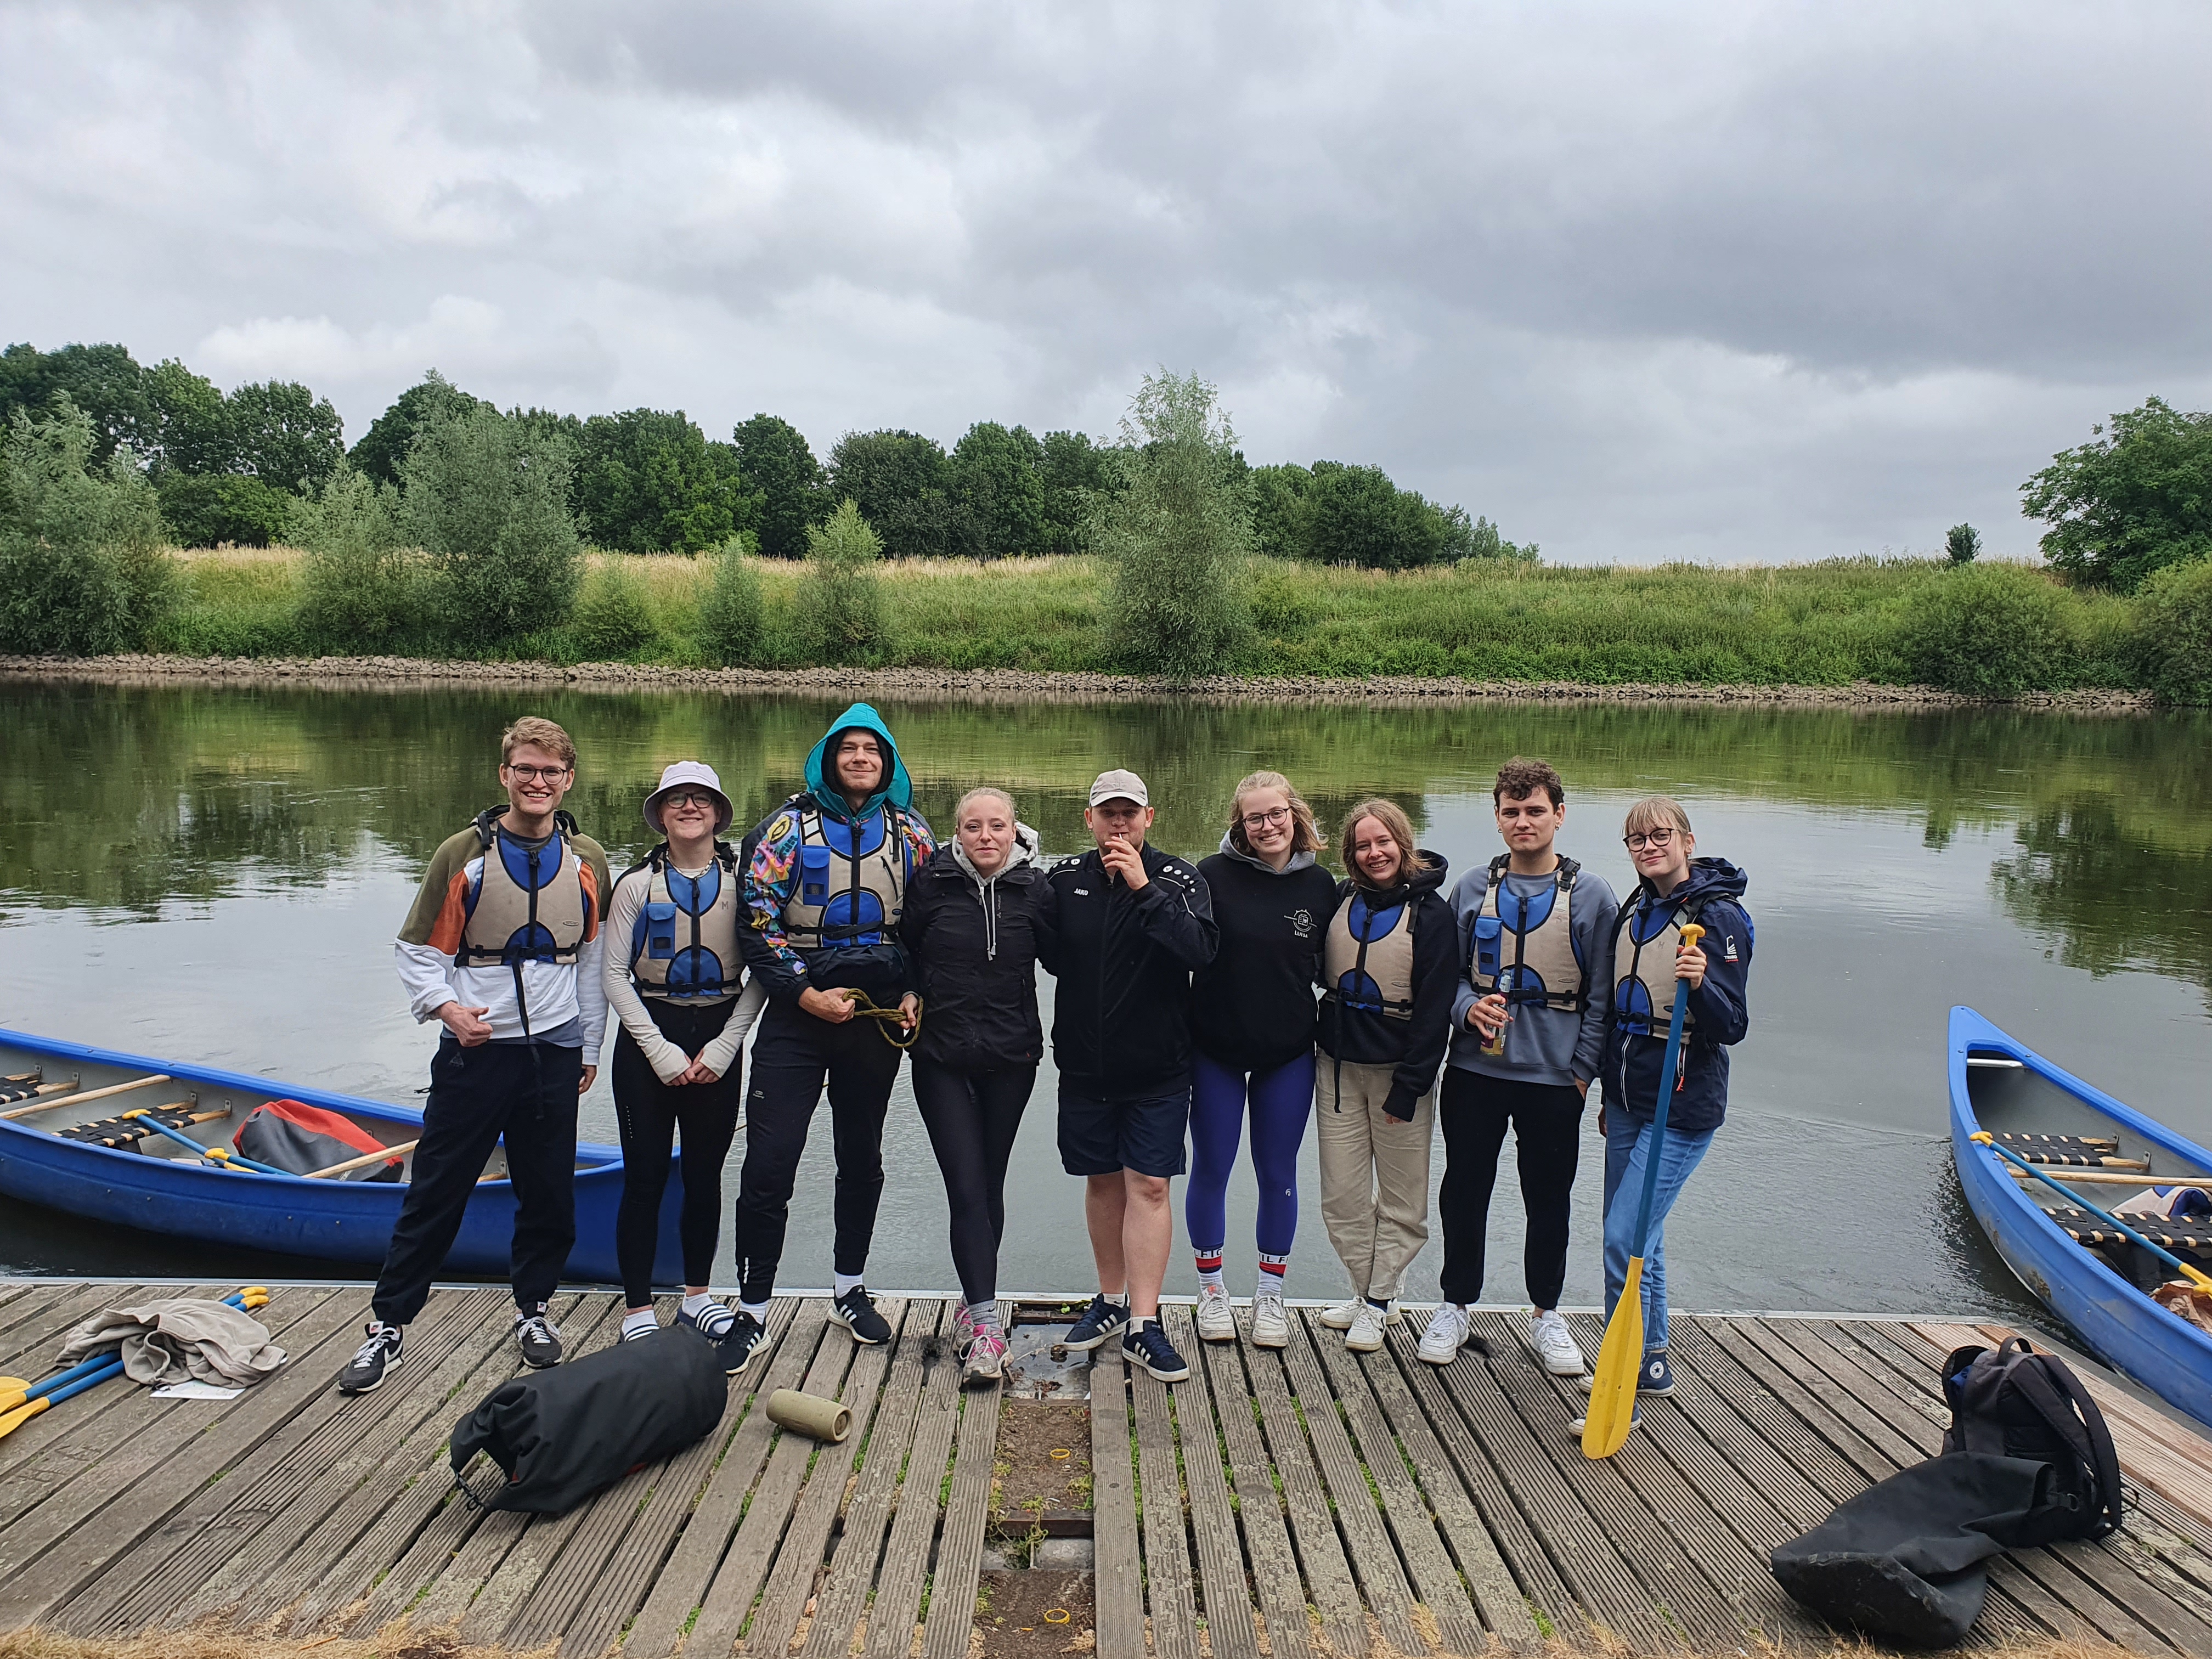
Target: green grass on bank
1818,624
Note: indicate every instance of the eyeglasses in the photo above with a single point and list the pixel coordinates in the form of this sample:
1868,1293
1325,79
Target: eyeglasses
1273,819
1639,841
704,803
532,773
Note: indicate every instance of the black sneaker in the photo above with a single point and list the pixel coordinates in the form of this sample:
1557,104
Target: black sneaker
1099,1321
858,1314
364,1372
734,1348
712,1322
1147,1345
536,1335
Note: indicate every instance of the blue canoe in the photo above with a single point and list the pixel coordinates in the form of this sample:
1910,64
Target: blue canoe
2000,1084
163,1189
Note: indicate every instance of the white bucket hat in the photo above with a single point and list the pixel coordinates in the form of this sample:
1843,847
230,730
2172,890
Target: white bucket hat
696,773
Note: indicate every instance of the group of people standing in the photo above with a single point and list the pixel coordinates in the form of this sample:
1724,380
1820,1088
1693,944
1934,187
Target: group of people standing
839,935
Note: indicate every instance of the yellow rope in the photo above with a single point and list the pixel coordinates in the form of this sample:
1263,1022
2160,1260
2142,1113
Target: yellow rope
863,1008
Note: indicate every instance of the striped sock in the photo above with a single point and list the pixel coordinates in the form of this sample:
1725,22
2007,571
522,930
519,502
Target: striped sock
1272,1269
1209,1269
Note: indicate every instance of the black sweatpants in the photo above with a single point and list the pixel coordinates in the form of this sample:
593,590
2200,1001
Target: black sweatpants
649,1113
972,1118
1546,1119
476,1094
792,1053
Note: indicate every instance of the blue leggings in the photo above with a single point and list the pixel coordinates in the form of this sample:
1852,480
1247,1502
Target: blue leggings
1280,1101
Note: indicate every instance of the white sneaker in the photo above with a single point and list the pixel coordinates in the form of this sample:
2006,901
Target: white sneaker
1446,1335
1340,1317
1270,1321
1554,1343
1217,1320
1365,1335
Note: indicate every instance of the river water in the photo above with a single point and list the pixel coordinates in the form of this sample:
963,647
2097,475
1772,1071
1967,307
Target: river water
215,876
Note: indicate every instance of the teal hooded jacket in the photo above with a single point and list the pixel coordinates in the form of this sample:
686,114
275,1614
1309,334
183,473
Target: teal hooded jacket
771,873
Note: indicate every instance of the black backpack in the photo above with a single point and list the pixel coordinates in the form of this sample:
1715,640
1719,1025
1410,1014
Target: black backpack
2013,1401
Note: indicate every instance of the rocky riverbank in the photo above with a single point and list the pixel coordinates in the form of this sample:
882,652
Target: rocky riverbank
1001,684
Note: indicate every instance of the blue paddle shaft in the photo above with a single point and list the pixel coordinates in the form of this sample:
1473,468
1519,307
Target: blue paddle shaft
2082,1203
1659,1114
183,1139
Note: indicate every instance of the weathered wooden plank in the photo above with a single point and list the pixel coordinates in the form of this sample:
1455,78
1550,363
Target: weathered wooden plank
1525,1553
34,1594
1168,1589
627,1578
37,1322
1373,1557
1230,1628
683,1581
35,1359
897,1606
1497,1598
1428,1564
1117,1571
1259,1507
343,1556
728,1600
950,1623
1313,1529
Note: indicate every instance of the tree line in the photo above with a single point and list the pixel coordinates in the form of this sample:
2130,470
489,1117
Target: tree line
236,467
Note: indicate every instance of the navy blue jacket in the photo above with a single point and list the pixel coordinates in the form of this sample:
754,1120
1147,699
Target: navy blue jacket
1721,1008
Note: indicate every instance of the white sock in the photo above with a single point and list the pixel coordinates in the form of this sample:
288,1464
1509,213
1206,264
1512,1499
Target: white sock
757,1309
848,1282
695,1305
1210,1280
642,1320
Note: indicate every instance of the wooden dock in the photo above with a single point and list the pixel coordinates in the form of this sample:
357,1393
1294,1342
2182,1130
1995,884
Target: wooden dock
1299,1506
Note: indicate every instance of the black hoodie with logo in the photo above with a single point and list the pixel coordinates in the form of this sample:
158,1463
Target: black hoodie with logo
1252,1007
1415,1046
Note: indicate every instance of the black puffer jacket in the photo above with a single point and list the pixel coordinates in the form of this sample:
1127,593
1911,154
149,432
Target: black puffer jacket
974,945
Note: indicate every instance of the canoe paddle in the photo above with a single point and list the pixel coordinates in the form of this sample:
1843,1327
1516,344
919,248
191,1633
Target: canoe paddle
20,1401
2202,1281
221,1155
1620,1357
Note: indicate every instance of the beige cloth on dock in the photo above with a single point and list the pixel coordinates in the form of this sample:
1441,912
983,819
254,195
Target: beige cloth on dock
181,1337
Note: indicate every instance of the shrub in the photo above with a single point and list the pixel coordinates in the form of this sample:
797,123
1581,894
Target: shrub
1178,533
487,497
2173,624
1989,630
842,614
1963,542
209,509
613,617
2137,501
360,588
81,567
730,623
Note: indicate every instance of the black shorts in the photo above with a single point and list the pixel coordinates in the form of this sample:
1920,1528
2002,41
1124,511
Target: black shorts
1144,1132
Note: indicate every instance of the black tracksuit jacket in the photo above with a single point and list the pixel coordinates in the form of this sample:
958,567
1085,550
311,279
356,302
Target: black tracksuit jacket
1120,1025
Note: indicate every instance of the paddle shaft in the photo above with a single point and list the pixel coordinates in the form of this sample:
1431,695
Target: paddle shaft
382,1155
2203,1281
225,1156
89,1094
1667,1083
2107,1177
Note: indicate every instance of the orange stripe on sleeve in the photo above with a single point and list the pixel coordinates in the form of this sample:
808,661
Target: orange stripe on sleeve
452,914
590,899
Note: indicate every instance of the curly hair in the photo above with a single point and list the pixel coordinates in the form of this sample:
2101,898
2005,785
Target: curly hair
1520,778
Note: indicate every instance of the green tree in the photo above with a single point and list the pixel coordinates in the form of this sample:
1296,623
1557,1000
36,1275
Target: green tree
996,480
1075,470
1484,542
843,616
81,568
190,421
362,587
649,482
383,448
1177,536
487,497
2138,499
1280,529
773,456
2173,622
1962,544
207,509
284,434
104,383
898,480
730,616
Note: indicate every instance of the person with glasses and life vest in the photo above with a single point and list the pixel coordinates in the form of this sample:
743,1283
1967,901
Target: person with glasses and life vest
1528,1035
676,983
1652,965
502,949
825,881
1389,968
1252,1021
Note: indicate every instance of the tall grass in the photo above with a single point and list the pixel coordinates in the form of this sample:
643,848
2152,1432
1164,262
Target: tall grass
1817,624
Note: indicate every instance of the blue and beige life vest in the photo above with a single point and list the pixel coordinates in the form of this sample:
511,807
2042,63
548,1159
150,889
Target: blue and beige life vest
1645,940
1368,956
527,904
1526,947
851,888
684,946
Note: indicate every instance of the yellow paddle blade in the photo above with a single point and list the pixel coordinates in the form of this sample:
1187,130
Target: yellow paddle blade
1619,1358
14,1391
11,1421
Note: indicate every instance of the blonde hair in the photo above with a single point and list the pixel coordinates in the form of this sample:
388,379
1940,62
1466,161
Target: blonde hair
1392,816
1654,811
981,792
540,733
1305,833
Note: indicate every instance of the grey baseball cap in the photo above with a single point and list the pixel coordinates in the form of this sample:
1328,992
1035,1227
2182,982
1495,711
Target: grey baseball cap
1119,786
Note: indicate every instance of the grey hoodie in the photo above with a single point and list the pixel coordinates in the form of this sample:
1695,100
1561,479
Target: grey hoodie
1023,852
1542,1045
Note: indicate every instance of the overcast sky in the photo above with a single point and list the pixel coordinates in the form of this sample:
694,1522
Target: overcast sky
1716,281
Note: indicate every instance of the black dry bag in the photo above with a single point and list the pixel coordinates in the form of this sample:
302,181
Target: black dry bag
568,1432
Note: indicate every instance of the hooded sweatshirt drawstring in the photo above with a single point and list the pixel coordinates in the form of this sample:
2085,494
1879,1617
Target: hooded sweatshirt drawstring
987,887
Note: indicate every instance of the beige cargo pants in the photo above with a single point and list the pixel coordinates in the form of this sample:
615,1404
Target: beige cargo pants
1374,1175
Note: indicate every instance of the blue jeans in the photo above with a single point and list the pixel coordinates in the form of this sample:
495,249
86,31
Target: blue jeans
1626,1141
